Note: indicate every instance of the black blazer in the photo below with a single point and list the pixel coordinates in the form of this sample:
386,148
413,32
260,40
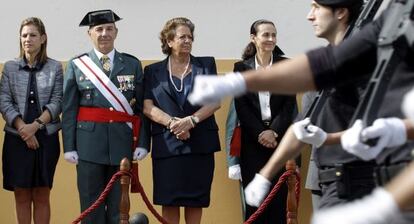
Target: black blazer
204,137
253,155
283,108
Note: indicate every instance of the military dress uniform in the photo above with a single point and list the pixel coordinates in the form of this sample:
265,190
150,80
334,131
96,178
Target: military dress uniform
101,145
232,160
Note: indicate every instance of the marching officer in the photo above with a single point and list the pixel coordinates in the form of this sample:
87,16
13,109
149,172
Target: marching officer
333,66
102,113
341,176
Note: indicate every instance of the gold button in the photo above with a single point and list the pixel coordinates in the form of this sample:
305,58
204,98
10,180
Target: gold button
135,138
338,174
111,109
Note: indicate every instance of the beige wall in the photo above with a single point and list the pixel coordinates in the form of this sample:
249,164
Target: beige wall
225,201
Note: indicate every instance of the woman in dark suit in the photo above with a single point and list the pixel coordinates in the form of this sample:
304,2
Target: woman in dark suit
264,117
184,137
30,102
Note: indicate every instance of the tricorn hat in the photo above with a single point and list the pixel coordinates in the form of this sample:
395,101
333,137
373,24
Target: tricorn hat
99,17
339,3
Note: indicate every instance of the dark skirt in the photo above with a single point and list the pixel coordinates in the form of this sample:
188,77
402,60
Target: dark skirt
28,168
183,180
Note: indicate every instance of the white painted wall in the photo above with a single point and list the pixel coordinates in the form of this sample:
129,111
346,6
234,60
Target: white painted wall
222,26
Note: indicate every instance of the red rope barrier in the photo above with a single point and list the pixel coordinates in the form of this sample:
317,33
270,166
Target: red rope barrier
108,188
272,194
251,219
102,197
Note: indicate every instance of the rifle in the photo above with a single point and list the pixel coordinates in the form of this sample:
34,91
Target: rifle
367,14
395,41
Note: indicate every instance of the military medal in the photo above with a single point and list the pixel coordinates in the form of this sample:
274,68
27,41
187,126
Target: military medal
132,102
126,82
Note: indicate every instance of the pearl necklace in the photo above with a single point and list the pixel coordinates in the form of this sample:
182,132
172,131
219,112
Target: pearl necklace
181,77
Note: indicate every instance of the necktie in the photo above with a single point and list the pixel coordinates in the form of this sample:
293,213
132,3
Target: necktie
106,64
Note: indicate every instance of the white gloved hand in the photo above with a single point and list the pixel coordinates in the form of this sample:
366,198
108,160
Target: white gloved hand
140,153
351,142
209,89
308,133
257,190
390,131
71,157
408,105
235,172
377,208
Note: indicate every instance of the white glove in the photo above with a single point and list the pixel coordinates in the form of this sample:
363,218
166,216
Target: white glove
351,142
71,157
308,133
209,89
408,105
235,172
376,208
390,131
140,153
257,190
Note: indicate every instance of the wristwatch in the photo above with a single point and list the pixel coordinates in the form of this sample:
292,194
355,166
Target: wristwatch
41,123
195,119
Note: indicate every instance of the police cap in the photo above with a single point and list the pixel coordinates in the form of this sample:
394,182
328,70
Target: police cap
99,17
339,3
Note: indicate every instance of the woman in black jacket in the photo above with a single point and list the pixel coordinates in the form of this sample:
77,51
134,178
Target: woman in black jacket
264,117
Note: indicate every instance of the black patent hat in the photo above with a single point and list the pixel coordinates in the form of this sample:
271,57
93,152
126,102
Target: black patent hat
99,17
338,3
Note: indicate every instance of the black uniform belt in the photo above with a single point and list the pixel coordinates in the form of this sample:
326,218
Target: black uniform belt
353,171
384,173
352,180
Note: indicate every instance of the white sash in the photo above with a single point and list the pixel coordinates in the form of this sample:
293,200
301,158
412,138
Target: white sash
104,84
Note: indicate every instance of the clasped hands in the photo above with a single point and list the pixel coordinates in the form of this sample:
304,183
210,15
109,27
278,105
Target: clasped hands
27,133
180,127
267,138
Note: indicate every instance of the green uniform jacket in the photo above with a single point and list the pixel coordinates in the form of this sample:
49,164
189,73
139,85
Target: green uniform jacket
231,124
102,143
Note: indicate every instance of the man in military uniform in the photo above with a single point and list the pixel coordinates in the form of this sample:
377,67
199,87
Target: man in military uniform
102,112
337,112
330,21
333,66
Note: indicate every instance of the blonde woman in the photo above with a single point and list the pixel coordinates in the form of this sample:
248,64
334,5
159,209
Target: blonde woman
30,102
